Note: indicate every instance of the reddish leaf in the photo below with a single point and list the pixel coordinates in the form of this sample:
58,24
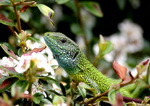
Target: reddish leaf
9,52
6,21
36,50
24,8
126,80
120,70
119,100
145,62
2,17
10,69
7,83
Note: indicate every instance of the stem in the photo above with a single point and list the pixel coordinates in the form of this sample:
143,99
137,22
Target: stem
92,100
17,16
30,103
22,3
127,99
25,3
30,88
96,60
82,27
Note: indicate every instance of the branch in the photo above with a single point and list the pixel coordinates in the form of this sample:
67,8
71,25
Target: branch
82,27
25,3
17,16
92,100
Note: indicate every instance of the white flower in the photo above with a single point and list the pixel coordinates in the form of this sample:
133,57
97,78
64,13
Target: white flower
31,45
23,64
96,49
40,59
46,62
128,40
43,59
37,44
8,62
133,34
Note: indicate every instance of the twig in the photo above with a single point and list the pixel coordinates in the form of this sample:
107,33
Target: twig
127,99
22,3
82,27
92,100
121,84
25,3
97,58
17,16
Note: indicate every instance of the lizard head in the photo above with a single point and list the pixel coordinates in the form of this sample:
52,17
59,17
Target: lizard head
63,48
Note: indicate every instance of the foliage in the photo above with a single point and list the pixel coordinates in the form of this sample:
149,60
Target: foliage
31,76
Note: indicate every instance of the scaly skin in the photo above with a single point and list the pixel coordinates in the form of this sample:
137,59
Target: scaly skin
75,63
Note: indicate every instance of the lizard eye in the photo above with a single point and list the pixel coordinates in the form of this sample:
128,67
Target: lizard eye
63,40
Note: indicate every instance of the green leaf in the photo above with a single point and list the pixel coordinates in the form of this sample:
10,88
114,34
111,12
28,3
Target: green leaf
84,85
33,39
87,87
148,74
20,52
10,47
19,87
25,16
45,101
143,67
6,21
37,97
105,47
54,92
48,12
58,100
5,2
93,7
75,28
121,4
9,52
112,96
82,91
7,83
45,10
71,5
49,80
146,100
61,1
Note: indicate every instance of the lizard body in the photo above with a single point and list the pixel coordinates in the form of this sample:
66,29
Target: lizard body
79,68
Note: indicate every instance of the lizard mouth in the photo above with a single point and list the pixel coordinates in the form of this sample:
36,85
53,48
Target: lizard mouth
75,55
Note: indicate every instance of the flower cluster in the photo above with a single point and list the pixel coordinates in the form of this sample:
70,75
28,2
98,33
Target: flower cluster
128,40
35,62
43,59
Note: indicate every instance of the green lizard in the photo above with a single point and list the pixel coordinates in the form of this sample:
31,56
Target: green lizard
76,64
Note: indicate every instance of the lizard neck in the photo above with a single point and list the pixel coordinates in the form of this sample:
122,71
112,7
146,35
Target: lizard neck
89,74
